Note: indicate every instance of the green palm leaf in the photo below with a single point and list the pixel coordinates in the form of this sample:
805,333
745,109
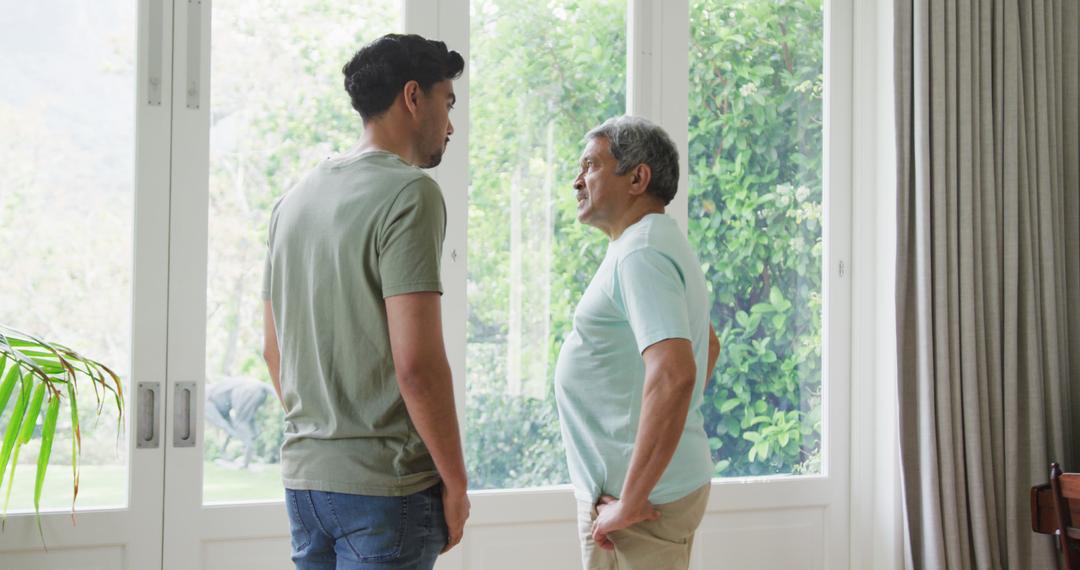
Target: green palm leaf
11,433
41,369
7,384
26,431
76,445
48,430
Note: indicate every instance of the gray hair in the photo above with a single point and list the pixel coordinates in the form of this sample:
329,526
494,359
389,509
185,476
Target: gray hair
635,141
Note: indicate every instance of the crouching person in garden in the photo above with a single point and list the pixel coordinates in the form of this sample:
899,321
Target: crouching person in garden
372,461
630,376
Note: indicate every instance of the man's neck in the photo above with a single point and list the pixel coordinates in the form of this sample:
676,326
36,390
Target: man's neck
378,136
632,216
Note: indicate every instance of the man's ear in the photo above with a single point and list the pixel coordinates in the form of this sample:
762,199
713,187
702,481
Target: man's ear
410,94
639,179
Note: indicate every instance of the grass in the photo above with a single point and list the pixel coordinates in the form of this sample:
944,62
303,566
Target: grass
258,483
100,486
105,486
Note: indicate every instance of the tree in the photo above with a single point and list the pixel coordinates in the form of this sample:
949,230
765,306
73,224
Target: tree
542,75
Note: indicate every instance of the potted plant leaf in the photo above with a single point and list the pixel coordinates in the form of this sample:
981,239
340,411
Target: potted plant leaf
38,379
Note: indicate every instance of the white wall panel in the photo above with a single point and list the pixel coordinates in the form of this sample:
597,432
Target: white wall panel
96,558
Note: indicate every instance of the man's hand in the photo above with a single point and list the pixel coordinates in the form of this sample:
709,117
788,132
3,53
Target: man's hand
456,511
613,514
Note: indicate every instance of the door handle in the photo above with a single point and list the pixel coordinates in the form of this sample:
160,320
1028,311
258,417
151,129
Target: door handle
149,403
154,51
194,53
184,414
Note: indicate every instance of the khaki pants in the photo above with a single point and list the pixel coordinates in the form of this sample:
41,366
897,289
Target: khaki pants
662,544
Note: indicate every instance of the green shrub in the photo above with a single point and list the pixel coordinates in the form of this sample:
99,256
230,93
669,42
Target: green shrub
755,220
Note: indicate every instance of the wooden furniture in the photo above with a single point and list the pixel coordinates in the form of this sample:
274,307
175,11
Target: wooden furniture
1043,513
1065,498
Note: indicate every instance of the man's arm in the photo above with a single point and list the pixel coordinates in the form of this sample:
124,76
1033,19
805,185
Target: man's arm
423,374
714,353
271,354
670,374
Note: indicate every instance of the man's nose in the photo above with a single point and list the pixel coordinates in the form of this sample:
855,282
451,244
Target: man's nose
449,128
578,183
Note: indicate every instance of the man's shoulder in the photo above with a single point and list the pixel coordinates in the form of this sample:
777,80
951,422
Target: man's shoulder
419,183
645,248
379,179
655,250
656,231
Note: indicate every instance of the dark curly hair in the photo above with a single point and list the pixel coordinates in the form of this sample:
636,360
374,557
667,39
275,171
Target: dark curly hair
376,74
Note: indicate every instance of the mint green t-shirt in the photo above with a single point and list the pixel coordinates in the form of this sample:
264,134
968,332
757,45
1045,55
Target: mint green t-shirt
649,288
357,229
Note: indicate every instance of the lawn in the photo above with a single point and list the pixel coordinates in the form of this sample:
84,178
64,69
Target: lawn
105,486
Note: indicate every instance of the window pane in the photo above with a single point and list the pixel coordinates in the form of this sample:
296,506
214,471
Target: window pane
67,142
542,74
755,219
278,107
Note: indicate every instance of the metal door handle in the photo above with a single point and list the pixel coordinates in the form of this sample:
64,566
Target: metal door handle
194,52
148,404
154,52
184,414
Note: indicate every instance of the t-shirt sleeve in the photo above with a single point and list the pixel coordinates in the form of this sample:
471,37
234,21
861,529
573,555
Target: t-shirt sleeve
650,289
410,246
267,265
266,277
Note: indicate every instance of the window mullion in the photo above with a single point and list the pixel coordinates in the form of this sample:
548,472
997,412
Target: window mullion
658,78
448,21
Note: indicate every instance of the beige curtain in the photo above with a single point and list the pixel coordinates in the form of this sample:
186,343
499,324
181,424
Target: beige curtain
988,272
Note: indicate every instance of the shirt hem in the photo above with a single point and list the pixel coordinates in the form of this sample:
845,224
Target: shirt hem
671,497
360,489
652,338
418,287
583,496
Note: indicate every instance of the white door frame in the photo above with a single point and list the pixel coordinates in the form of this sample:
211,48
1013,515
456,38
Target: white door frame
658,88
257,534
169,295
240,535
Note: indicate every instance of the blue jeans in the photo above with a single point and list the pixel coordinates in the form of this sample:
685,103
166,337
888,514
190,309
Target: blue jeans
357,532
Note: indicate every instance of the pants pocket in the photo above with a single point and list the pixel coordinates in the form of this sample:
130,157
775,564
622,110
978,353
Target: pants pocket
300,537
372,527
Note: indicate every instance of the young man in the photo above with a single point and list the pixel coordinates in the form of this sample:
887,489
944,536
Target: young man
631,375
353,328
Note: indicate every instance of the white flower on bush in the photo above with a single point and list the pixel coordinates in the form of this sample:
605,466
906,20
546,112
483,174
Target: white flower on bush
748,89
802,193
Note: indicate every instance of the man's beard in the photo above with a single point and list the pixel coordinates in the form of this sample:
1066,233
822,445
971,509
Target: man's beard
433,160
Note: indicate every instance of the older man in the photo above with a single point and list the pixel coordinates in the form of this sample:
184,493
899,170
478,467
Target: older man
630,377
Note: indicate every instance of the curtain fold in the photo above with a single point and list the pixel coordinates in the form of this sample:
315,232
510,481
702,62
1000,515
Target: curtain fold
988,271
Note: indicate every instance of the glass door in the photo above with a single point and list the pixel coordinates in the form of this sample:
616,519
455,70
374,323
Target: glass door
270,106
84,142
277,108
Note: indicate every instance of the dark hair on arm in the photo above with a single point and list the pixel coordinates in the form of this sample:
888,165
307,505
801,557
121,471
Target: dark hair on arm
376,74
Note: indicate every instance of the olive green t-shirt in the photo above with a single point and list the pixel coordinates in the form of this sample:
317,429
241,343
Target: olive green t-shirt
357,229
